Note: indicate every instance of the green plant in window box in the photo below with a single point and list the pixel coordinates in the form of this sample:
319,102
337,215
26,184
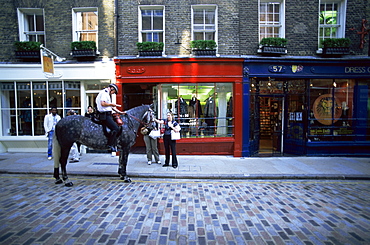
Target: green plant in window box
273,45
150,48
335,46
83,49
203,47
27,49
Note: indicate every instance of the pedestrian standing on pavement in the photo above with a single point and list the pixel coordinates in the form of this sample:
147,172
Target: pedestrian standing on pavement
50,121
150,143
169,144
105,107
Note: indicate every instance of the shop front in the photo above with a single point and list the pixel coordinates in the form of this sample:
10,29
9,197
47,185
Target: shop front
204,94
306,107
27,96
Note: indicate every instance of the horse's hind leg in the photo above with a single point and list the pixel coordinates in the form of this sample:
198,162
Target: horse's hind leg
63,165
123,157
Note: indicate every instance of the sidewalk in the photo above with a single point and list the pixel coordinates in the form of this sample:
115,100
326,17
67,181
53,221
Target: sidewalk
197,167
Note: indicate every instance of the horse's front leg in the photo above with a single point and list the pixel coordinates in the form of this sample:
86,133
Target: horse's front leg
123,158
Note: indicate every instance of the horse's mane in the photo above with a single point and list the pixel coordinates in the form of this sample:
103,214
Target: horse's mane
138,108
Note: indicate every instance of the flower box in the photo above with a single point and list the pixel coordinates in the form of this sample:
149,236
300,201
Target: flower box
28,50
84,53
273,50
335,50
205,52
27,54
85,50
150,53
150,48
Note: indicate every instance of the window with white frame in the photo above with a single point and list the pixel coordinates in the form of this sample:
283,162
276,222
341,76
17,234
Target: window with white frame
85,24
31,25
151,23
204,22
25,104
271,19
331,19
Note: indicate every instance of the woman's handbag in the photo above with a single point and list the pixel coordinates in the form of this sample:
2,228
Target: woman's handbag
175,135
162,131
144,131
155,133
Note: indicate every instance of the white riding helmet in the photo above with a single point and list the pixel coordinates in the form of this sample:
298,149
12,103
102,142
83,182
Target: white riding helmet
114,86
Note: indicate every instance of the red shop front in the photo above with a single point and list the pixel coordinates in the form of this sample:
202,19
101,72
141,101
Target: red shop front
204,94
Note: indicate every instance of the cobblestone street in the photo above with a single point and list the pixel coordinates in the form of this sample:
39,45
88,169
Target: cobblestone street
103,210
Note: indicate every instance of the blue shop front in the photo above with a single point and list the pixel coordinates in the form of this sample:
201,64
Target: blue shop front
312,106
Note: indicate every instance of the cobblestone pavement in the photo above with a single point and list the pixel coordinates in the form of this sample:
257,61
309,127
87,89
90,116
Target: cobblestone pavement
103,210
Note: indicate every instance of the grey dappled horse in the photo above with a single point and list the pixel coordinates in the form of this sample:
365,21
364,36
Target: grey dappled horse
83,130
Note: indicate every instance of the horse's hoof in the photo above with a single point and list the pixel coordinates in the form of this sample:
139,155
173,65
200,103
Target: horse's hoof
69,184
125,179
58,181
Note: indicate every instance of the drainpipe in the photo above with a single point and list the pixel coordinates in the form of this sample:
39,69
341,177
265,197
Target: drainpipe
116,17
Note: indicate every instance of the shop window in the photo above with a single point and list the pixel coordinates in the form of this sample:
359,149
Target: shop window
271,19
85,24
204,22
331,19
31,25
203,110
331,110
151,23
25,104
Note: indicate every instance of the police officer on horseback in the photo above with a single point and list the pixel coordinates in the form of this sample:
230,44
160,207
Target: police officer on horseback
105,108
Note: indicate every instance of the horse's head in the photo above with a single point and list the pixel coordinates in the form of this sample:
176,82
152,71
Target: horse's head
148,116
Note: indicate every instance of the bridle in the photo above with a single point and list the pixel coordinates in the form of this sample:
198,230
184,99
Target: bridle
145,115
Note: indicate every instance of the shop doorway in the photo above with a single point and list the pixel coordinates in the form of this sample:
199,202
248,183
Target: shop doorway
271,122
277,117
137,95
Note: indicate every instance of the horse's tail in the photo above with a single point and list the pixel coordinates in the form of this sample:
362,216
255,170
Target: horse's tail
56,150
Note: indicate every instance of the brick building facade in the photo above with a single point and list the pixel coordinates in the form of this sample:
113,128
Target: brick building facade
236,26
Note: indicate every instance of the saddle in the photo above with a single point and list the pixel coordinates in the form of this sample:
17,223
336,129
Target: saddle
96,119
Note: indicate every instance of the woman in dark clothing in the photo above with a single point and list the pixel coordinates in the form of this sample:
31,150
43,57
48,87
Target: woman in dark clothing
169,144
90,112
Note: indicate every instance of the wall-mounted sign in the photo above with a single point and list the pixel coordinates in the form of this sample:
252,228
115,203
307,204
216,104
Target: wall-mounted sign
327,109
135,69
277,68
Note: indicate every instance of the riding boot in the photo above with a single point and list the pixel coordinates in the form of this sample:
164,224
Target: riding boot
112,141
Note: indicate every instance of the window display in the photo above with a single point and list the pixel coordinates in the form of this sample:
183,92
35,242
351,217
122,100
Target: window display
331,108
203,110
25,104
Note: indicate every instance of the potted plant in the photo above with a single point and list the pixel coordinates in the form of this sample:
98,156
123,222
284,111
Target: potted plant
150,48
273,45
203,47
83,49
335,46
27,49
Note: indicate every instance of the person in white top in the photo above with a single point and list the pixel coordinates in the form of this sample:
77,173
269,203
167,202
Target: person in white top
105,107
50,121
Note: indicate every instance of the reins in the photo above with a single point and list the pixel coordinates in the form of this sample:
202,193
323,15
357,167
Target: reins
137,119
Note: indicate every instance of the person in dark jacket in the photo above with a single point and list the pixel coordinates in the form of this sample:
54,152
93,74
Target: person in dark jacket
169,144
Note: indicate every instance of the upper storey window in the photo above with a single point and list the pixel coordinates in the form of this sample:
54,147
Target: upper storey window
151,23
85,24
271,19
331,19
31,25
204,22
